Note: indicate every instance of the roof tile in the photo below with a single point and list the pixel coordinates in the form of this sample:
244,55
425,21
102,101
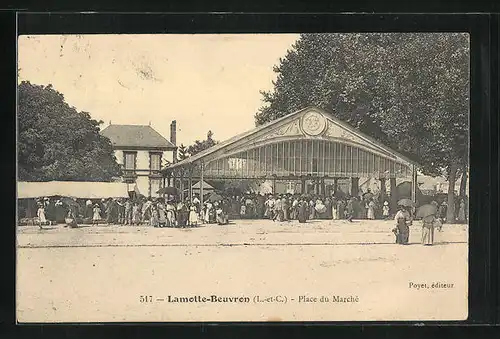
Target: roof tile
135,136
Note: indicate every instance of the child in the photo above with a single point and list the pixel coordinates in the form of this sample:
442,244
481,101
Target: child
96,215
41,215
396,234
385,210
243,211
438,223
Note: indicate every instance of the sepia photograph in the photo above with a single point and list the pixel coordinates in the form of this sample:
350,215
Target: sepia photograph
242,177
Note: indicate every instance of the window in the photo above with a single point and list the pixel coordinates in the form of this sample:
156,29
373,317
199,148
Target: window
155,161
129,159
315,165
155,186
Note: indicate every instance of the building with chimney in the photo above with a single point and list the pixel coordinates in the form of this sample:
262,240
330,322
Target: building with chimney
141,151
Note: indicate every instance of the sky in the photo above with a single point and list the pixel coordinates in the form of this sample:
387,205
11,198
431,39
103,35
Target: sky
204,82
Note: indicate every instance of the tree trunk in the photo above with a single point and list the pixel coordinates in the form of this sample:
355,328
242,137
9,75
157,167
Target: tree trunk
394,196
463,183
354,187
450,212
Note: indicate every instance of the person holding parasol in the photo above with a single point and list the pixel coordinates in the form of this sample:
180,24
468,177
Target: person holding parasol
429,222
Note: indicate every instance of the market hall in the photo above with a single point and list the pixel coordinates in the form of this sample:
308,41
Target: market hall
309,148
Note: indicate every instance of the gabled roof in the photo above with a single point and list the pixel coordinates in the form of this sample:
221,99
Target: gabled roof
271,124
136,136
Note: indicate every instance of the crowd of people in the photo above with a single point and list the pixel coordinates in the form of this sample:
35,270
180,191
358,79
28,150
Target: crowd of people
219,209
172,212
285,207
156,212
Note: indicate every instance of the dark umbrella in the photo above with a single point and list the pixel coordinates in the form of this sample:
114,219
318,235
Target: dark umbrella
167,190
69,202
214,197
405,202
426,210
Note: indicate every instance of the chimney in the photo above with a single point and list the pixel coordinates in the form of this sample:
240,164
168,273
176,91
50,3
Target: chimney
173,138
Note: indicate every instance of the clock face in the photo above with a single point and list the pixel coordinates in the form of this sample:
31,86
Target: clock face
313,123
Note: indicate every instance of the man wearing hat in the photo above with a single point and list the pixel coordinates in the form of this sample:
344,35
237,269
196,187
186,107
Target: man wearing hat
88,209
50,210
60,212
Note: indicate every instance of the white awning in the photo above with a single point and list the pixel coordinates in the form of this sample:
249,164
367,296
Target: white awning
75,189
206,186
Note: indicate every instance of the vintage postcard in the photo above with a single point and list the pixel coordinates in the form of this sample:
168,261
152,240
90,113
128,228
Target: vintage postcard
242,177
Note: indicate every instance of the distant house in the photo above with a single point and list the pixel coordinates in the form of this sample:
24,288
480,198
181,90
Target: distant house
141,150
432,185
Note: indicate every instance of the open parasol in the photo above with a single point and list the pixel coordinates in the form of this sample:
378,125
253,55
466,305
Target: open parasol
426,210
167,190
406,203
214,197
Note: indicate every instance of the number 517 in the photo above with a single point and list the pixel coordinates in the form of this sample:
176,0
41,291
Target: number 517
145,298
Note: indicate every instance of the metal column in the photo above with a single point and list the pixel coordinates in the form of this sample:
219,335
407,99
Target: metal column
414,184
190,182
181,185
201,185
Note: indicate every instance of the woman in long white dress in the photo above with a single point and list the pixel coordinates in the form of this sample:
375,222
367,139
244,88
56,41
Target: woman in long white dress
335,211
193,216
96,215
41,215
170,215
208,210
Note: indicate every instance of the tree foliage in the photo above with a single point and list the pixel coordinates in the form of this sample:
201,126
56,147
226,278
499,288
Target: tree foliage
408,90
55,142
182,153
201,145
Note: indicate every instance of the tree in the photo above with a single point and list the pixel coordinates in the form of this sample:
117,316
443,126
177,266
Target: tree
408,90
55,142
182,153
201,145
